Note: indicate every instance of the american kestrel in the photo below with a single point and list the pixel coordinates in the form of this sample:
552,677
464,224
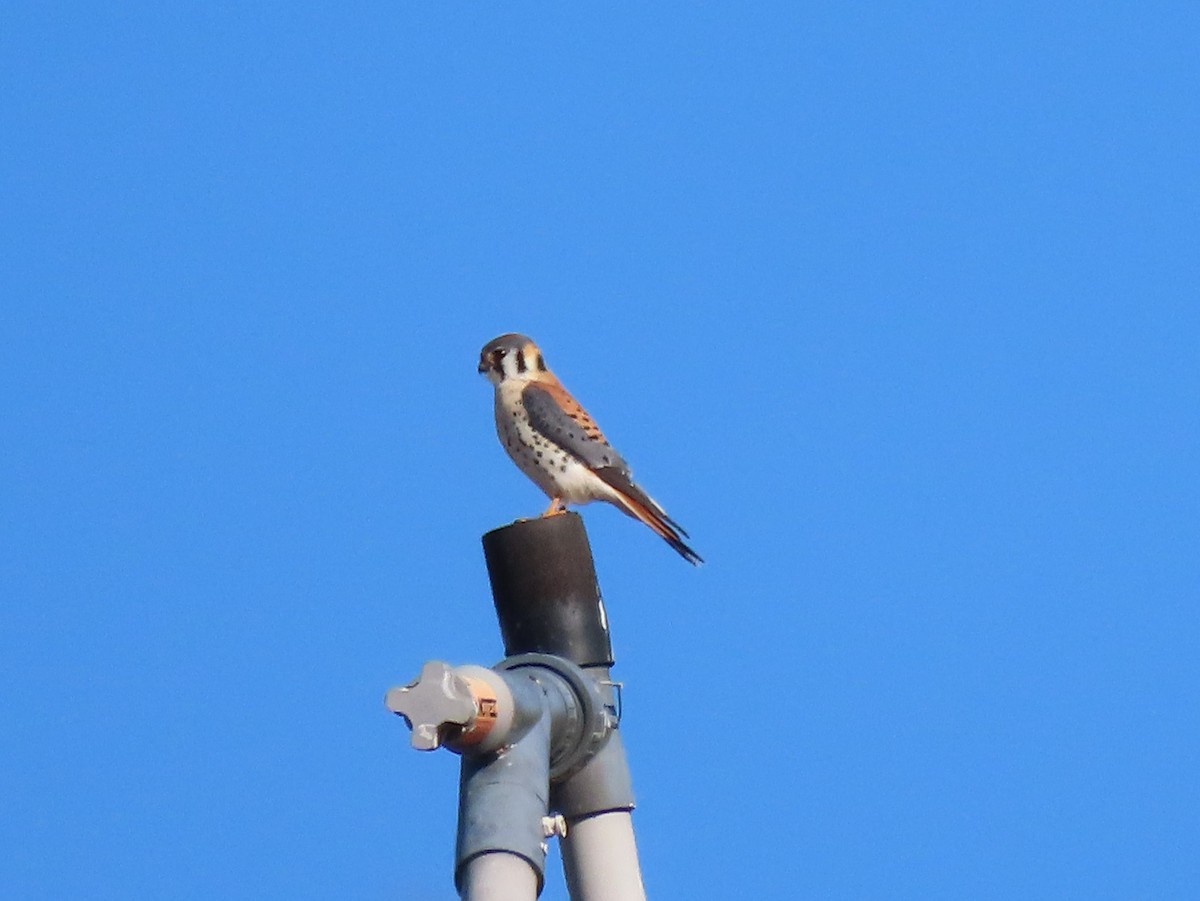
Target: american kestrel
554,441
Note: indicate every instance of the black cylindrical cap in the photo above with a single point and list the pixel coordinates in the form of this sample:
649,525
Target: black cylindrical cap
545,590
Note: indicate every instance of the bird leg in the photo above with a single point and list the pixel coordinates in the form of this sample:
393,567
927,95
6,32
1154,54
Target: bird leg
556,507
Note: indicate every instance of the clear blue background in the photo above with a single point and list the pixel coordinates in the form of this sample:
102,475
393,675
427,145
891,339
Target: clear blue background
895,307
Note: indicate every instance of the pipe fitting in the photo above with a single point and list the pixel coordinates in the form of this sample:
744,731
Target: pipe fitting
469,709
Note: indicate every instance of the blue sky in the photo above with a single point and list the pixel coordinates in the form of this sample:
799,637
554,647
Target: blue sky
895,308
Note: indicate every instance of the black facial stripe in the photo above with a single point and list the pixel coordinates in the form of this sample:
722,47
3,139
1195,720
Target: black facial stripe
521,367
541,363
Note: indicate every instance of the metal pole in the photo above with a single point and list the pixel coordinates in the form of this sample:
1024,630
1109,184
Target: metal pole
548,602
538,732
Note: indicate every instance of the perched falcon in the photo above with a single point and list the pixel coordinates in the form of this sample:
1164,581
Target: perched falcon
557,444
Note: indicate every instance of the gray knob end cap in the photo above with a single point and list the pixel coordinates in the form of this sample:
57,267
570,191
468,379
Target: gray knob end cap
439,698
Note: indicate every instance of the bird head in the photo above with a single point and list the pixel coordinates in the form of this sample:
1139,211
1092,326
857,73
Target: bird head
512,357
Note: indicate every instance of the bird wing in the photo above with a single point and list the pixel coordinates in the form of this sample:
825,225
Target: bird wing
554,413
559,417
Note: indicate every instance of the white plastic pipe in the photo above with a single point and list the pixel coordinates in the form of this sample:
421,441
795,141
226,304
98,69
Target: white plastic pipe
499,876
600,859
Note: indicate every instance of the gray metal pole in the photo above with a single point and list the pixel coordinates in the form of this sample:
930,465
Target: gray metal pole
539,731
548,601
